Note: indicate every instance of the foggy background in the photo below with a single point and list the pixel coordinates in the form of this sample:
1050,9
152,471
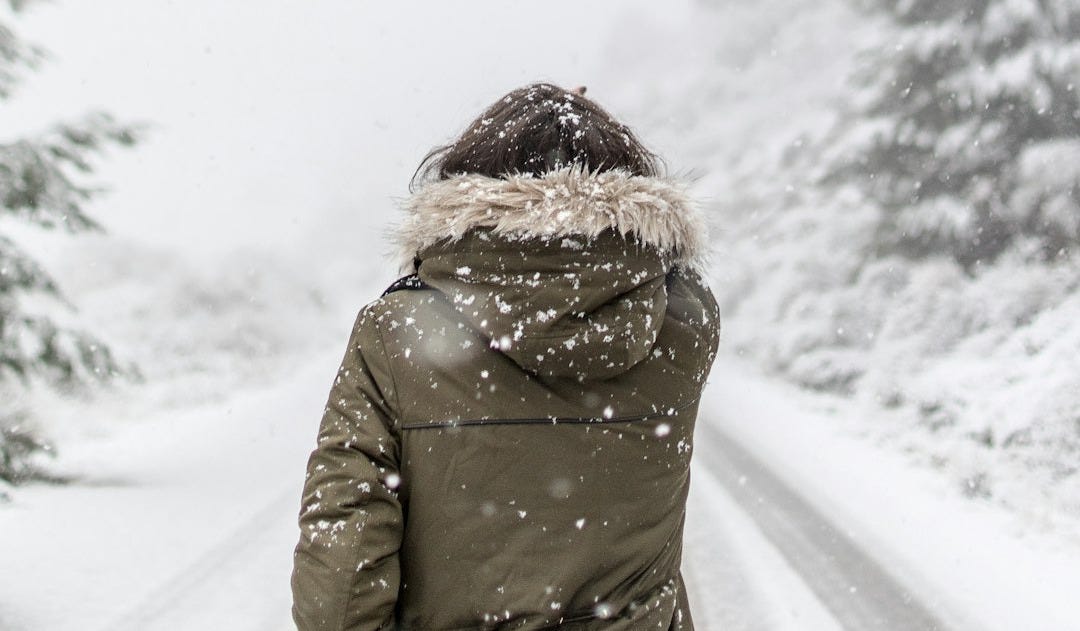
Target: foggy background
293,124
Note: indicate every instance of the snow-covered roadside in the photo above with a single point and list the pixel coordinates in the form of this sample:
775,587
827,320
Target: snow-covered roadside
159,494
964,556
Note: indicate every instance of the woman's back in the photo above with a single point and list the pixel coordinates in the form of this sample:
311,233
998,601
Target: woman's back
523,407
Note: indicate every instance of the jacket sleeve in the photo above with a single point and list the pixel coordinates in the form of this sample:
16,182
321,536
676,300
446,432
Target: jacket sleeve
345,567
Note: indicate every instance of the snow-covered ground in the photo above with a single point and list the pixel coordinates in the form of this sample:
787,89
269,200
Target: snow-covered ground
978,566
187,520
162,507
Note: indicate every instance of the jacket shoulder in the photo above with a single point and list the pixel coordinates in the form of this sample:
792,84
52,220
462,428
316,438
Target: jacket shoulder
400,306
690,296
692,303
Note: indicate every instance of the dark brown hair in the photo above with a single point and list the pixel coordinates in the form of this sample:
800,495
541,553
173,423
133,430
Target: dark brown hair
536,129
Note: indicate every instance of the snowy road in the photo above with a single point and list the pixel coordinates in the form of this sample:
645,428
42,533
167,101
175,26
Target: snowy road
857,591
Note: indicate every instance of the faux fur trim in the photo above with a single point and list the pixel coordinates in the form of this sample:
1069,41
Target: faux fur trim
657,211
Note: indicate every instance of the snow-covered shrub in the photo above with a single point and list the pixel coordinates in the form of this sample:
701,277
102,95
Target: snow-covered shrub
955,121
907,238
21,452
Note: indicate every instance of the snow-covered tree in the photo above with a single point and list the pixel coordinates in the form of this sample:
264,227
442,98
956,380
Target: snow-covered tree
43,183
967,129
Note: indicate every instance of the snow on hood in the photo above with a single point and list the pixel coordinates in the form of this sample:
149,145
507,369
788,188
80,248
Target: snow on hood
564,273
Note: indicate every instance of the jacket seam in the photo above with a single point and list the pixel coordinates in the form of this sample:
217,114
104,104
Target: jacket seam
349,597
555,336
389,371
554,420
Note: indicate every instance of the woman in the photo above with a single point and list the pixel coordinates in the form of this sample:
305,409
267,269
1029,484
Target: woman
507,443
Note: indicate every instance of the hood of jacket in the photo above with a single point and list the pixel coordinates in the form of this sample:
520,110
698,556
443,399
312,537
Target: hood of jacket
565,272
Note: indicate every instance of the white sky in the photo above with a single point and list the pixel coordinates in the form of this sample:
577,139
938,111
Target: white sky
286,123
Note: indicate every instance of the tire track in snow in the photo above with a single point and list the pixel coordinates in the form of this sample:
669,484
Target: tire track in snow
180,601
860,593
736,579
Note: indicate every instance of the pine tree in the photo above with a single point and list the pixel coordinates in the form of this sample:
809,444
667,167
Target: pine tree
966,132
42,182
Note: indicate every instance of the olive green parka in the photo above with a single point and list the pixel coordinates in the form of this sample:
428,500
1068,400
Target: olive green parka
507,443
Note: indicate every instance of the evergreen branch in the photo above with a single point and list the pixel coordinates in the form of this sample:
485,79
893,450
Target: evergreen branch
35,184
15,55
20,273
35,188
33,345
912,12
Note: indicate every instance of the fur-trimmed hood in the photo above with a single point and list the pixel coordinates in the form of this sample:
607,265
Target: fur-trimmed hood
656,211
565,273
